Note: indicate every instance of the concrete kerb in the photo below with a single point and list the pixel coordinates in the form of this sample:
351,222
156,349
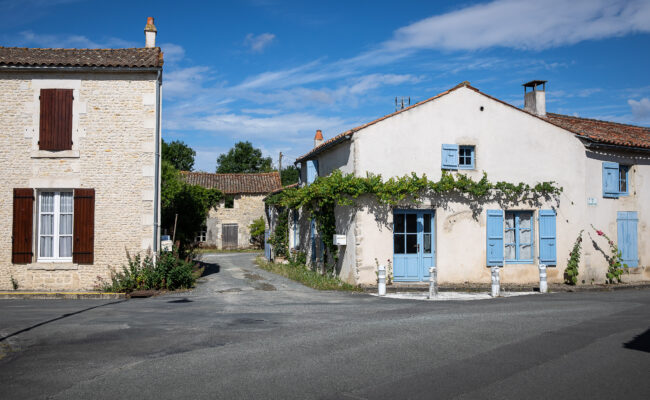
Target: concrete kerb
473,288
62,295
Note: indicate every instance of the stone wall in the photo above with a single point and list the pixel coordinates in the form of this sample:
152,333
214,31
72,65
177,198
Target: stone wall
246,209
113,153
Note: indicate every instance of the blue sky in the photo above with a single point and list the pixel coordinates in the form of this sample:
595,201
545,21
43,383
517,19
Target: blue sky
272,72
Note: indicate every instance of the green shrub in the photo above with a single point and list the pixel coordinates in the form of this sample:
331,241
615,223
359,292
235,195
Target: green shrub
142,273
257,229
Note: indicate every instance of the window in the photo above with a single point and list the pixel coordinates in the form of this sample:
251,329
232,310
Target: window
229,201
616,179
55,126
200,236
518,236
466,157
55,221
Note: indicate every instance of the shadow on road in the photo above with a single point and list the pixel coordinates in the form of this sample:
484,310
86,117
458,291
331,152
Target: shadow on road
641,342
210,268
3,338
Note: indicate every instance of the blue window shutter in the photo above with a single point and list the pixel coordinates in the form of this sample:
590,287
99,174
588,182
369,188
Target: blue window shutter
610,179
312,171
547,237
494,237
449,156
627,222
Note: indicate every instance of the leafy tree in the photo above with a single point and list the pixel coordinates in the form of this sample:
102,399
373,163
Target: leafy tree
243,158
257,229
290,175
180,155
191,202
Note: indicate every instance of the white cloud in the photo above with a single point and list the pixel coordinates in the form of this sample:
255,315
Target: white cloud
640,109
172,52
259,42
185,82
530,24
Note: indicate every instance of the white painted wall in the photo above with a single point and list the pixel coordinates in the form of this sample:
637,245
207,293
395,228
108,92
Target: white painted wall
511,145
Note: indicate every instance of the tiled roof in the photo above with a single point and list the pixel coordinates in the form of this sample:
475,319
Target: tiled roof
146,57
604,131
235,183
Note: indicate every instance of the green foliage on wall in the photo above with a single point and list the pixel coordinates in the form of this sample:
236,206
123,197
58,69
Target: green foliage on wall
257,229
571,271
323,195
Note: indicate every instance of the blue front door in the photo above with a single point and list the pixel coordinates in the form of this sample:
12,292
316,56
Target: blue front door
413,245
627,237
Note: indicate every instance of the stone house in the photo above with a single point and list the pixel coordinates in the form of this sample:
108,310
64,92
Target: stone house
227,225
603,168
80,130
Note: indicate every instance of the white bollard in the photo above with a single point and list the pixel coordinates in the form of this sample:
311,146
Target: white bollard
496,282
433,282
381,284
543,285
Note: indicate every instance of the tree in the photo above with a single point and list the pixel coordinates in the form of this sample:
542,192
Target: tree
243,158
290,175
180,155
191,202
257,229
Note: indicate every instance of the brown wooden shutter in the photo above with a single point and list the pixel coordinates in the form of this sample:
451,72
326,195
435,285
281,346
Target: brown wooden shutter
56,120
83,244
21,240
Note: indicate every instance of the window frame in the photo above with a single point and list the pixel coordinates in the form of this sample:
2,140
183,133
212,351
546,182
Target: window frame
472,156
517,243
626,170
56,235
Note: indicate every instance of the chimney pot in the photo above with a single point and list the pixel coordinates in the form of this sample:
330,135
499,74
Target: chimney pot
535,99
318,138
150,33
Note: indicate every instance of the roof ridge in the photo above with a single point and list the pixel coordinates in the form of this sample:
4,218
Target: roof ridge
231,173
76,48
598,120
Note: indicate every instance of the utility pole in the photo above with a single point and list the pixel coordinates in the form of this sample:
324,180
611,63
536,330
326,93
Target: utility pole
280,166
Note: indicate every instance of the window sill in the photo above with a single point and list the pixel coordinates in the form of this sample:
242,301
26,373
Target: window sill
55,154
53,266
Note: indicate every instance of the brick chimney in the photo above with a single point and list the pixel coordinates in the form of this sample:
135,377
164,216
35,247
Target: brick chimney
318,138
535,99
150,33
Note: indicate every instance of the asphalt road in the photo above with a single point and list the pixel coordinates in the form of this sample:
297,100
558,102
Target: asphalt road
245,333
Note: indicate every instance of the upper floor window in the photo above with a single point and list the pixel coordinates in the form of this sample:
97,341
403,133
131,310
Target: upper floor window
466,157
229,201
55,127
457,157
616,179
55,226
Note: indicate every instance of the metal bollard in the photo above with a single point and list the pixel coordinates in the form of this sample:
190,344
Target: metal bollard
433,282
543,285
381,285
496,282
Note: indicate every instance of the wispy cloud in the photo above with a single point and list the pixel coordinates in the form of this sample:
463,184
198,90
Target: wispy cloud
529,24
257,43
640,110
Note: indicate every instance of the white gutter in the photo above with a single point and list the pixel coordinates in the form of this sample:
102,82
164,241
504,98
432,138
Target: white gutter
156,195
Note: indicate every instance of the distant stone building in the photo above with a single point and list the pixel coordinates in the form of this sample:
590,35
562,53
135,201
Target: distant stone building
227,226
80,130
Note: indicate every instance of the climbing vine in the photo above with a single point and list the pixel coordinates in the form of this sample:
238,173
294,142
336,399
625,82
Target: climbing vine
325,193
280,236
615,268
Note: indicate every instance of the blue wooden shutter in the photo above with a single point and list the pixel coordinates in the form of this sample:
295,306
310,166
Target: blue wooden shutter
627,237
547,237
312,171
610,179
449,156
494,237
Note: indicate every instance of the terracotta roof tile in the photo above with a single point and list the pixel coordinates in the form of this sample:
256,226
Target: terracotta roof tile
604,131
235,183
144,57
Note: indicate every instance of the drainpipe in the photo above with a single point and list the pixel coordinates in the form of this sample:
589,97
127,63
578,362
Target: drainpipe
156,193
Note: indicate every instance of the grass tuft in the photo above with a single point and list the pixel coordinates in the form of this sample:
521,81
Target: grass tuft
306,276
